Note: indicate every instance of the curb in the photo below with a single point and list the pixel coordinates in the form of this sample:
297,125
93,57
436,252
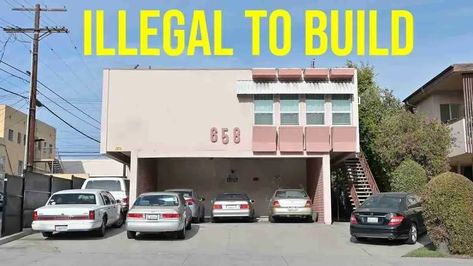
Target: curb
10,238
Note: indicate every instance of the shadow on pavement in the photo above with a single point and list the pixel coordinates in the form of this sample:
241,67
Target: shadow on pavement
111,232
168,236
423,240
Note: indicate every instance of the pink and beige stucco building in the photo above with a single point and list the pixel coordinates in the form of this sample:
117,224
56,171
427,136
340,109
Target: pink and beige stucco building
232,130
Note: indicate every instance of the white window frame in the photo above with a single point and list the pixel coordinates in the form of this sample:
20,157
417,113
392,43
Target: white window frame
281,112
307,112
350,112
263,112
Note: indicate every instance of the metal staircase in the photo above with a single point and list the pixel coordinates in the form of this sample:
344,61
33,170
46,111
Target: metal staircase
55,166
361,183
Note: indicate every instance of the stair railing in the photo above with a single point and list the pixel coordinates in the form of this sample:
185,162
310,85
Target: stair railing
353,194
369,175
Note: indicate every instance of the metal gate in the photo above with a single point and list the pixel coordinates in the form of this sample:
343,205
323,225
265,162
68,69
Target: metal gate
12,215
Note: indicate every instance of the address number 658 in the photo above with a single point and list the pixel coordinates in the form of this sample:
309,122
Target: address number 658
225,135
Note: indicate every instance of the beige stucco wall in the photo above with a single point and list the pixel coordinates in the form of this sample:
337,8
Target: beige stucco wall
93,167
208,177
14,151
169,113
430,106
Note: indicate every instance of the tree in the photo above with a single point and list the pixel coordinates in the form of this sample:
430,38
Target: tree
409,176
406,135
375,104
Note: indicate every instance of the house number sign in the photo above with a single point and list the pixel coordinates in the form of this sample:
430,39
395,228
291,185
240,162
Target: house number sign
225,135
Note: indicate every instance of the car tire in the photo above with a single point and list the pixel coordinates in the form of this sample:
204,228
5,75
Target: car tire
120,221
181,234
130,234
272,219
309,219
214,220
101,231
47,234
413,235
189,225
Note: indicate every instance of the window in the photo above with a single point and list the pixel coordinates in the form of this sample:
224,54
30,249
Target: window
50,149
157,200
263,105
72,198
341,109
18,139
10,134
109,185
3,161
289,109
315,109
20,168
24,139
106,199
450,112
38,145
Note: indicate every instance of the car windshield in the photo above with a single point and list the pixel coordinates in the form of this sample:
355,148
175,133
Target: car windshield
157,200
387,202
108,185
232,196
186,194
290,194
72,198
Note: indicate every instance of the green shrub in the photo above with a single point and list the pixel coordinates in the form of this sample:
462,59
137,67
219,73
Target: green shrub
448,212
409,176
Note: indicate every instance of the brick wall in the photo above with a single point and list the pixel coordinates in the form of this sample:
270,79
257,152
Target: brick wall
315,186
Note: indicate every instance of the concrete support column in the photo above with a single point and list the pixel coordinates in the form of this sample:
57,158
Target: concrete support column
147,175
133,176
327,195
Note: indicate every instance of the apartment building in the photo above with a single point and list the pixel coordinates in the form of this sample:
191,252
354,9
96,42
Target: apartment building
448,97
13,142
232,130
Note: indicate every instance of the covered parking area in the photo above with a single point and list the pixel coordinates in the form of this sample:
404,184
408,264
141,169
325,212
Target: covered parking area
258,177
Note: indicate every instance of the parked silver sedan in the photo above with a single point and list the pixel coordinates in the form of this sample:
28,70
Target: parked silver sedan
195,203
233,206
158,212
290,203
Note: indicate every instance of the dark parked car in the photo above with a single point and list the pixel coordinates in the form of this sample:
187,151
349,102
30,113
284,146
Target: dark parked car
394,215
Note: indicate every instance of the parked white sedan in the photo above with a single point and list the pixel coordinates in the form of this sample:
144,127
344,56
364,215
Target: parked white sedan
78,210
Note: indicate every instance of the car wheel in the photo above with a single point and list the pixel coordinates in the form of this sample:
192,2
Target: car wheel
103,227
189,225
120,221
413,233
181,234
309,219
272,219
214,220
130,234
47,234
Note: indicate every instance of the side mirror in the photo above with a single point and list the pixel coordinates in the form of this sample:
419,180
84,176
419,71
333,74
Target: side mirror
252,201
119,201
202,199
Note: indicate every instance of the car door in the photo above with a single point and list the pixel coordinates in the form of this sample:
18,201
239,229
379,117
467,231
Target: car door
108,208
115,206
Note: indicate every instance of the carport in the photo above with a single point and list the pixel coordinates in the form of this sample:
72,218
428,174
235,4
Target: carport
258,177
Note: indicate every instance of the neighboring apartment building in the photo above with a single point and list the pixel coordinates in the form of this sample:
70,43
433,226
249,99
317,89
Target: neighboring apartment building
448,97
230,130
13,142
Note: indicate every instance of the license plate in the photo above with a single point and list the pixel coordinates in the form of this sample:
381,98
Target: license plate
232,207
372,220
61,228
152,216
292,208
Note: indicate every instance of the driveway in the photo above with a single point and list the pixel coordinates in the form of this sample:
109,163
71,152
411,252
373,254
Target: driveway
259,243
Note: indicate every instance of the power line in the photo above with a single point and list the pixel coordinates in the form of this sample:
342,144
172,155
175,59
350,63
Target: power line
67,123
14,93
49,89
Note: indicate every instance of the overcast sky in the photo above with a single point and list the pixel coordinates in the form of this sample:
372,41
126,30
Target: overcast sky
443,36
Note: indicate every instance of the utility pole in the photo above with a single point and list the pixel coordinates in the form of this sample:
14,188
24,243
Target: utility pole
38,34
